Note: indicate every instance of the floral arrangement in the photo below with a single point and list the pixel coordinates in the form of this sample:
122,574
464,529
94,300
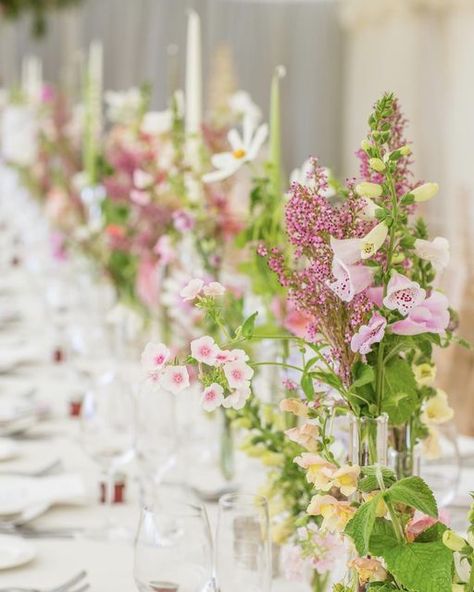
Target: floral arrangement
361,269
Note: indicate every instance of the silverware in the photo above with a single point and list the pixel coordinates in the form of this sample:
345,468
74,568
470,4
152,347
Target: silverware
29,532
68,586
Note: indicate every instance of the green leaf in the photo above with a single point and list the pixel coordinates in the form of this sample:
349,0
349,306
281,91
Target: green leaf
248,327
400,398
414,492
362,374
383,537
382,587
360,526
369,480
307,386
421,567
431,534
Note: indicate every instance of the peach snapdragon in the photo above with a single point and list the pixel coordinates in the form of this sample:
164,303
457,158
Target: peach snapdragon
335,513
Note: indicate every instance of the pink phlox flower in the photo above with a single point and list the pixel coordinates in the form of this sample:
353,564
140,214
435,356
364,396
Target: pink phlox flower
205,350
212,397
175,379
192,289
238,373
238,398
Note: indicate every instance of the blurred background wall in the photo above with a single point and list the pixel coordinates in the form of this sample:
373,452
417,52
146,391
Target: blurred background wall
340,55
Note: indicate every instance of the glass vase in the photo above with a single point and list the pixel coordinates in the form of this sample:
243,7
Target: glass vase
404,451
368,440
227,449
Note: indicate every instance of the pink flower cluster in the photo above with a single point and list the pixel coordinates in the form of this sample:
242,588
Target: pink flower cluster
169,377
235,374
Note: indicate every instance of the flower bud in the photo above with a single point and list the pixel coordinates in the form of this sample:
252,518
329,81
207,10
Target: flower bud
425,192
470,538
405,150
369,189
377,164
365,144
453,541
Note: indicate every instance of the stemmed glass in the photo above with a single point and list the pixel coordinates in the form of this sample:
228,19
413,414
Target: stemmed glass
156,443
107,431
242,548
173,549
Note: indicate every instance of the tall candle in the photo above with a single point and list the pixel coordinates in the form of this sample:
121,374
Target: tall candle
95,80
193,111
275,129
93,109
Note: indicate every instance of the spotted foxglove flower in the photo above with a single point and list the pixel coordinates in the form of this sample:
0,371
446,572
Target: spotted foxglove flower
205,350
403,294
369,334
238,374
431,316
212,397
349,280
372,241
192,289
435,251
245,148
174,379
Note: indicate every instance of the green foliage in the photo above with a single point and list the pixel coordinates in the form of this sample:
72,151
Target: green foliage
414,492
421,567
369,481
400,398
248,326
360,526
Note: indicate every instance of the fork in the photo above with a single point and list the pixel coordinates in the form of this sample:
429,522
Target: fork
68,586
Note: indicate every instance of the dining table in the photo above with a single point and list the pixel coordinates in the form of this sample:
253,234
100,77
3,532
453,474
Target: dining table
34,371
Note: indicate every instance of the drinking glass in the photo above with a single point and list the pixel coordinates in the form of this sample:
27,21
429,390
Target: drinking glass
107,429
173,549
156,443
243,548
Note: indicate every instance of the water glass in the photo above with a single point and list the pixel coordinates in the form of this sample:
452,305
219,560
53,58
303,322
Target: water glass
243,548
173,549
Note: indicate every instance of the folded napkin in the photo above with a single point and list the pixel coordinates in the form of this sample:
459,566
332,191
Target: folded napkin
10,359
19,493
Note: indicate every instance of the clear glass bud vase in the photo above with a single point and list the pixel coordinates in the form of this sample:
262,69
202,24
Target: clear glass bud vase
368,440
404,451
227,450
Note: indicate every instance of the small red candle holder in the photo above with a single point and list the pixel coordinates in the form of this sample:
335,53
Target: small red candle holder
119,487
75,407
58,355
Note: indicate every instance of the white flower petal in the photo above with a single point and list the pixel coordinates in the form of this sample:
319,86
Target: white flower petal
257,142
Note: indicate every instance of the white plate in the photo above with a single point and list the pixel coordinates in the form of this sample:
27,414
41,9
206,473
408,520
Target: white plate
8,449
15,552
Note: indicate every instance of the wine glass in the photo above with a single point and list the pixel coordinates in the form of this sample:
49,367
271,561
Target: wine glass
156,443
243,548
173,549
107,431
